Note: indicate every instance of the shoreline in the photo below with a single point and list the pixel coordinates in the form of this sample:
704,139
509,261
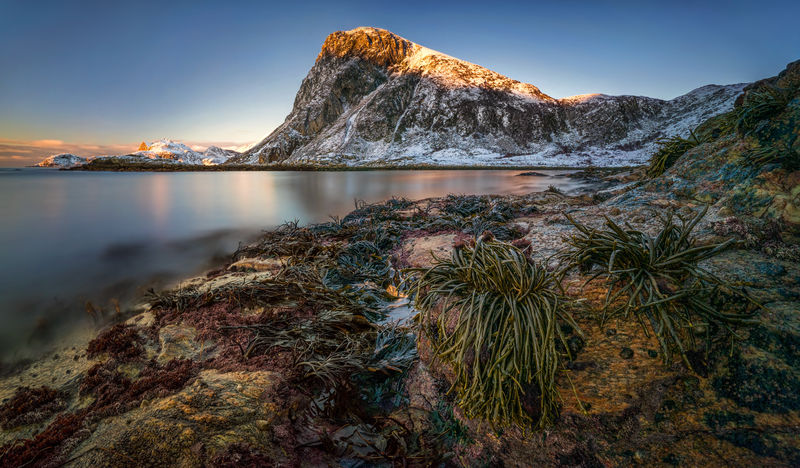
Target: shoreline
155,167
197,346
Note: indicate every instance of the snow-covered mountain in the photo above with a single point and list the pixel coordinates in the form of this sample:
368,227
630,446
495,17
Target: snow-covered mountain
373,97
162,151
214,155
168,149
62,160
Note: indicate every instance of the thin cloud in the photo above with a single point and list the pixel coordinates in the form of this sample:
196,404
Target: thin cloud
47,143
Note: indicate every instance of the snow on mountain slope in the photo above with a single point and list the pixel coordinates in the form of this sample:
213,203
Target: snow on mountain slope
168,149
375,98
162,151
63,160
214,155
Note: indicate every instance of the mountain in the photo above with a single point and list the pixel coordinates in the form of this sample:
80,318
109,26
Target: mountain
62,160
168,149
373,97
162,151
214,155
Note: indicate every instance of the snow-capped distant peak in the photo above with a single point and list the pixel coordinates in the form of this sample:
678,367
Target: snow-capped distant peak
164,146
159,151
173,150
583,98
63,160
216,155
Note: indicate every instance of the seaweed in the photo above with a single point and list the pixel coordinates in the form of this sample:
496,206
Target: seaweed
31,405
48,447
658,281
287,240
787,158
122,342
761,104
115,393
240,455
670,149
503,348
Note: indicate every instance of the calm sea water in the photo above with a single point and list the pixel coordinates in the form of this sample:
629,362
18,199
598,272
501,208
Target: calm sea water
71,237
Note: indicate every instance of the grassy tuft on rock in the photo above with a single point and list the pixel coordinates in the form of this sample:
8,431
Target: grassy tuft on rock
504,346
760,105
658,280
669,150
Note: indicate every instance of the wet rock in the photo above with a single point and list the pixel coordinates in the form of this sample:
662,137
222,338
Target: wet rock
773,270
575,344
211,412
756,382
179,342
580,365
263,424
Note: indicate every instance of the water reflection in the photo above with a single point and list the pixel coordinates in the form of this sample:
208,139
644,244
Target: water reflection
68,237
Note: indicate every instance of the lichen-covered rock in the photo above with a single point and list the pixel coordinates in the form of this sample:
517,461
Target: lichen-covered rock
719,172
180,342
633,409
191,426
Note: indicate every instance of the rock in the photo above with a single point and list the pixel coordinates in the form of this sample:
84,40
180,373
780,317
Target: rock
144,319
178,342
420,250
773,270
256,264
166,429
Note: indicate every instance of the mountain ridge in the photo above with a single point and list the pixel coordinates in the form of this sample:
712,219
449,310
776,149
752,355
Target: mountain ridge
163,151
373,97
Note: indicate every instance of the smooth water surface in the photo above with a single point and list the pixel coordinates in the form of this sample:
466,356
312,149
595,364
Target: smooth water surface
71,237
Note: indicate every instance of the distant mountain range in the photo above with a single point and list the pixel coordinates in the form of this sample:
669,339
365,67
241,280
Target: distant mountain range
162,151
375,98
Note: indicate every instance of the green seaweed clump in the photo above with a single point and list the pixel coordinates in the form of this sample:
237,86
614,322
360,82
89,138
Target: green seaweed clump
506,345
760,105
658,281
669,150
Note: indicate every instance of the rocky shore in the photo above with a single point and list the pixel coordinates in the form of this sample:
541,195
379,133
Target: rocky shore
305,349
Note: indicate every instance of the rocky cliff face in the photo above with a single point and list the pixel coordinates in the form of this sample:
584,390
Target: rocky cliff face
373,97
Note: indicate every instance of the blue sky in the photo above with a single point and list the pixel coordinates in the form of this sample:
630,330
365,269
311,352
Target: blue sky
114,73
